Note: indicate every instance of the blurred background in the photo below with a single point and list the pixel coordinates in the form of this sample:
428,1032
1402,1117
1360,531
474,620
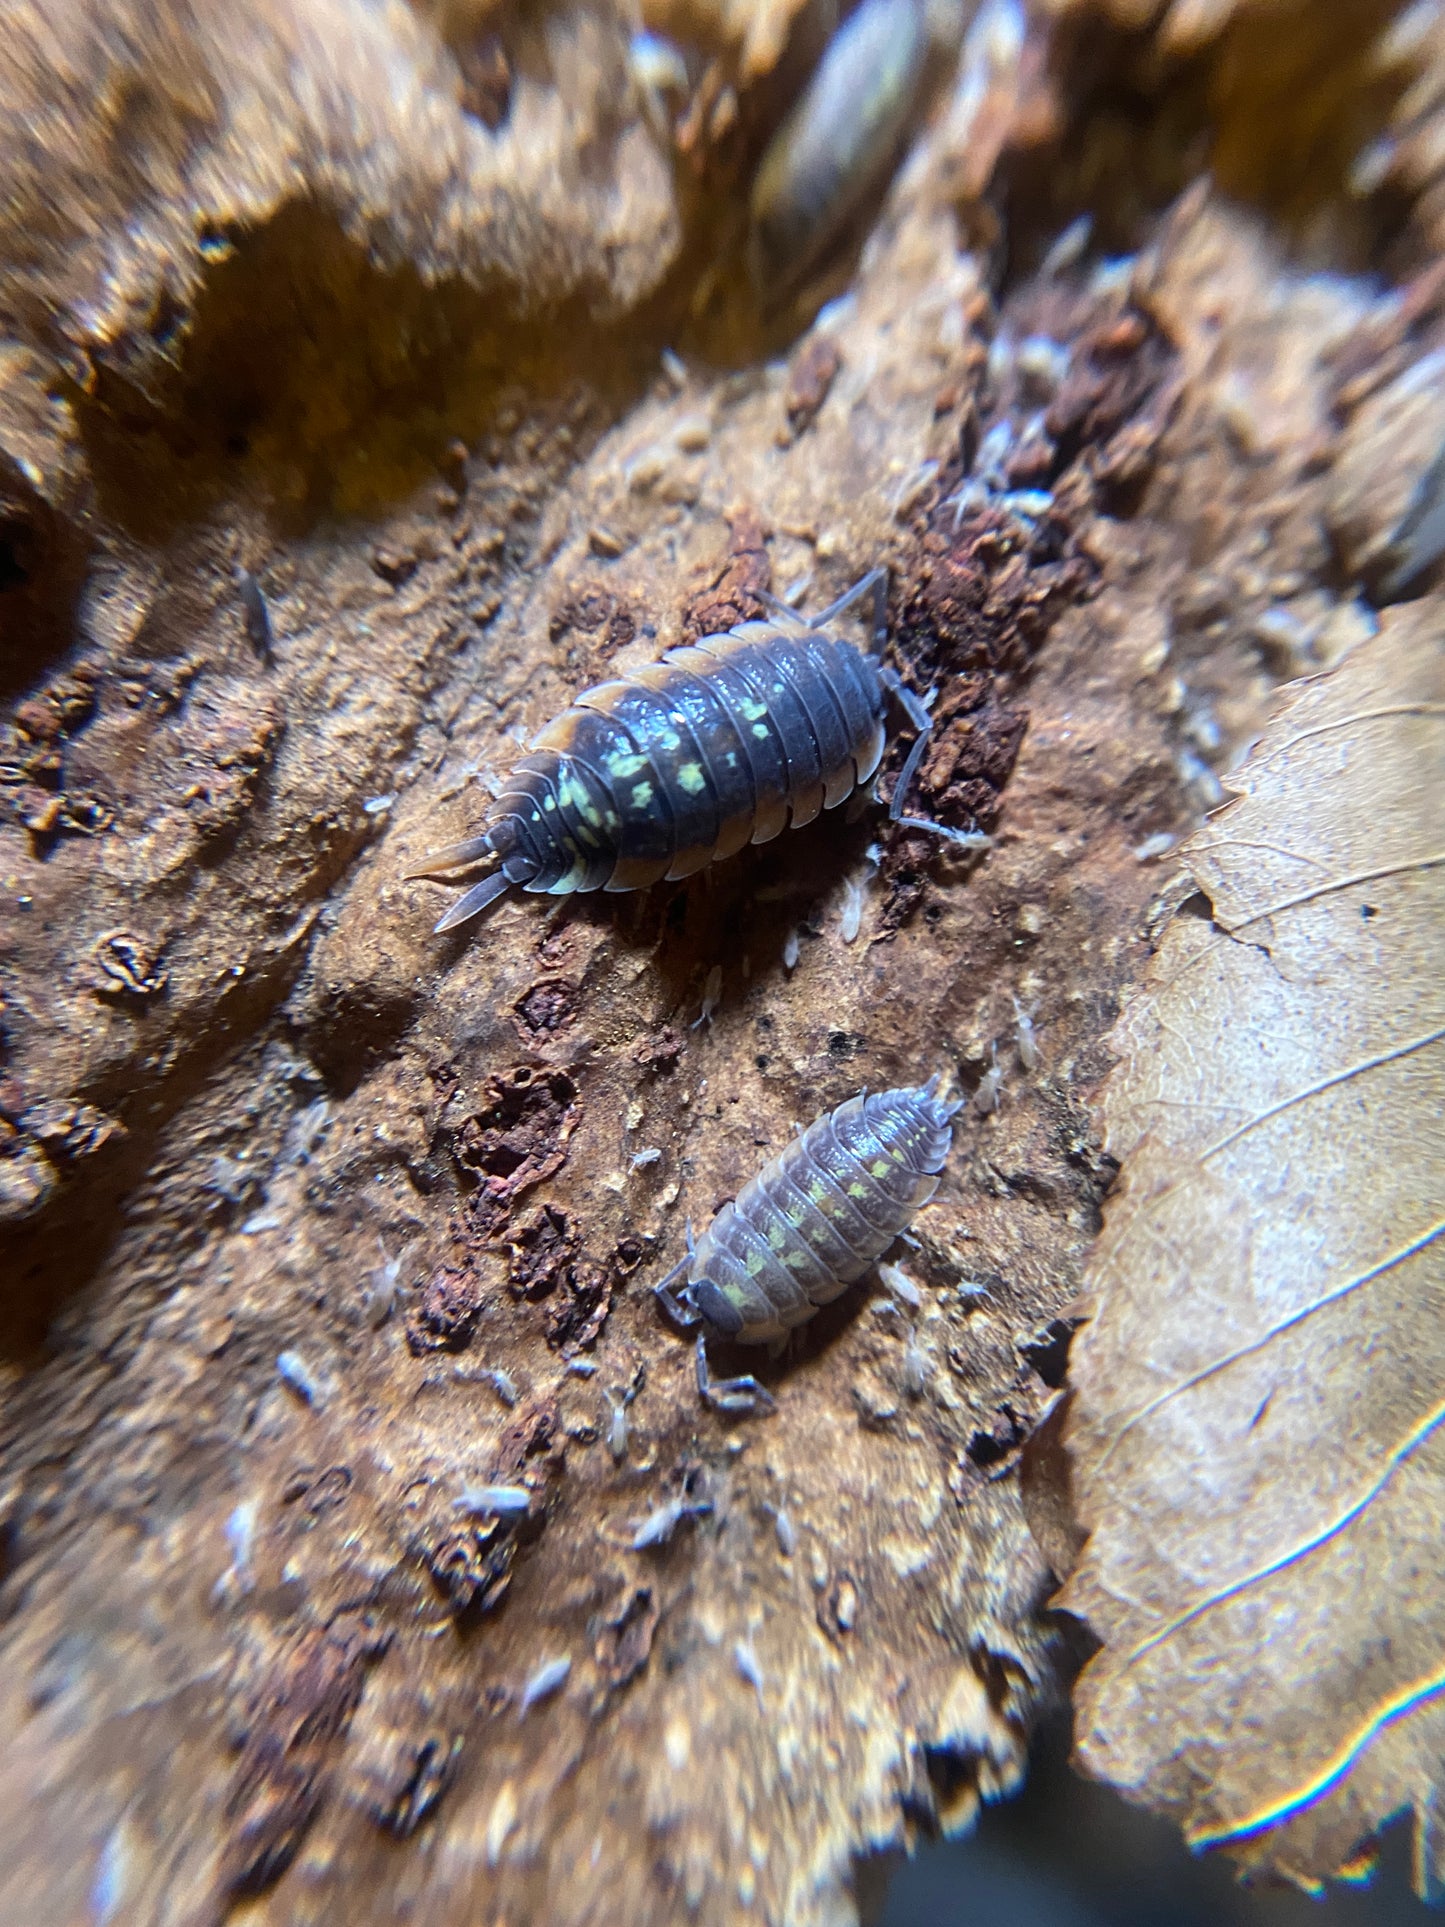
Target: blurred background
1070,1853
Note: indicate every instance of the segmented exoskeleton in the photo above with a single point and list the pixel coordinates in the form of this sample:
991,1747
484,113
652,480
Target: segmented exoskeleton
810,1224
681,763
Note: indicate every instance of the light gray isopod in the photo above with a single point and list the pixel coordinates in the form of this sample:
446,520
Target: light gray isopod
810,1224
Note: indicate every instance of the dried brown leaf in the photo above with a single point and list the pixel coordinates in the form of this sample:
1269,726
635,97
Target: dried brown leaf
1257,1439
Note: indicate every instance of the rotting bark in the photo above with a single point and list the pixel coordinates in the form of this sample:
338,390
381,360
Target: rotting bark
288,1121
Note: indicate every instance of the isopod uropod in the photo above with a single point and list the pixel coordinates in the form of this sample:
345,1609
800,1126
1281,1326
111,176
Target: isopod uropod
810,1224
719,744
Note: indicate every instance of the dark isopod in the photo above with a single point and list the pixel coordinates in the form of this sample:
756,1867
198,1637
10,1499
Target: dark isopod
721,744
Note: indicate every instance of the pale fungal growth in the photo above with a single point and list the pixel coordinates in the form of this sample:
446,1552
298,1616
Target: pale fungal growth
494,1501
1202,787
851,920
987,1097
549,1678
1027,1035
503,1384
380,1296
901,1285
378,805
915,1373
746,1661
259,1222
1042,362
790,951
1069,249
617,1404
641,1159
659,1525
298,1377
1160,844
913,489
711,997
239,1577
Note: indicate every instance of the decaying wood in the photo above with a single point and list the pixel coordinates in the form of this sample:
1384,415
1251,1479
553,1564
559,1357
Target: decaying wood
361,1533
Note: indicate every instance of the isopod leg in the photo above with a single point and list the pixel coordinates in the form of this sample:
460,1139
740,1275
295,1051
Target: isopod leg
737,1397
876,580
923,723
784,611
678,1305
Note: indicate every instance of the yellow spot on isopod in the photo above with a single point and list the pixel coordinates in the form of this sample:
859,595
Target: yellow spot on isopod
856,1190
641,795
880,1167
760,730
753,1263
777,1237
690,777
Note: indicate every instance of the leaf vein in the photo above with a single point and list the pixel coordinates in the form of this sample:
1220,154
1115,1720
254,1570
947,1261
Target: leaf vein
1398,1456
1330,889
1408,1700
1325,1084
1331,1297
